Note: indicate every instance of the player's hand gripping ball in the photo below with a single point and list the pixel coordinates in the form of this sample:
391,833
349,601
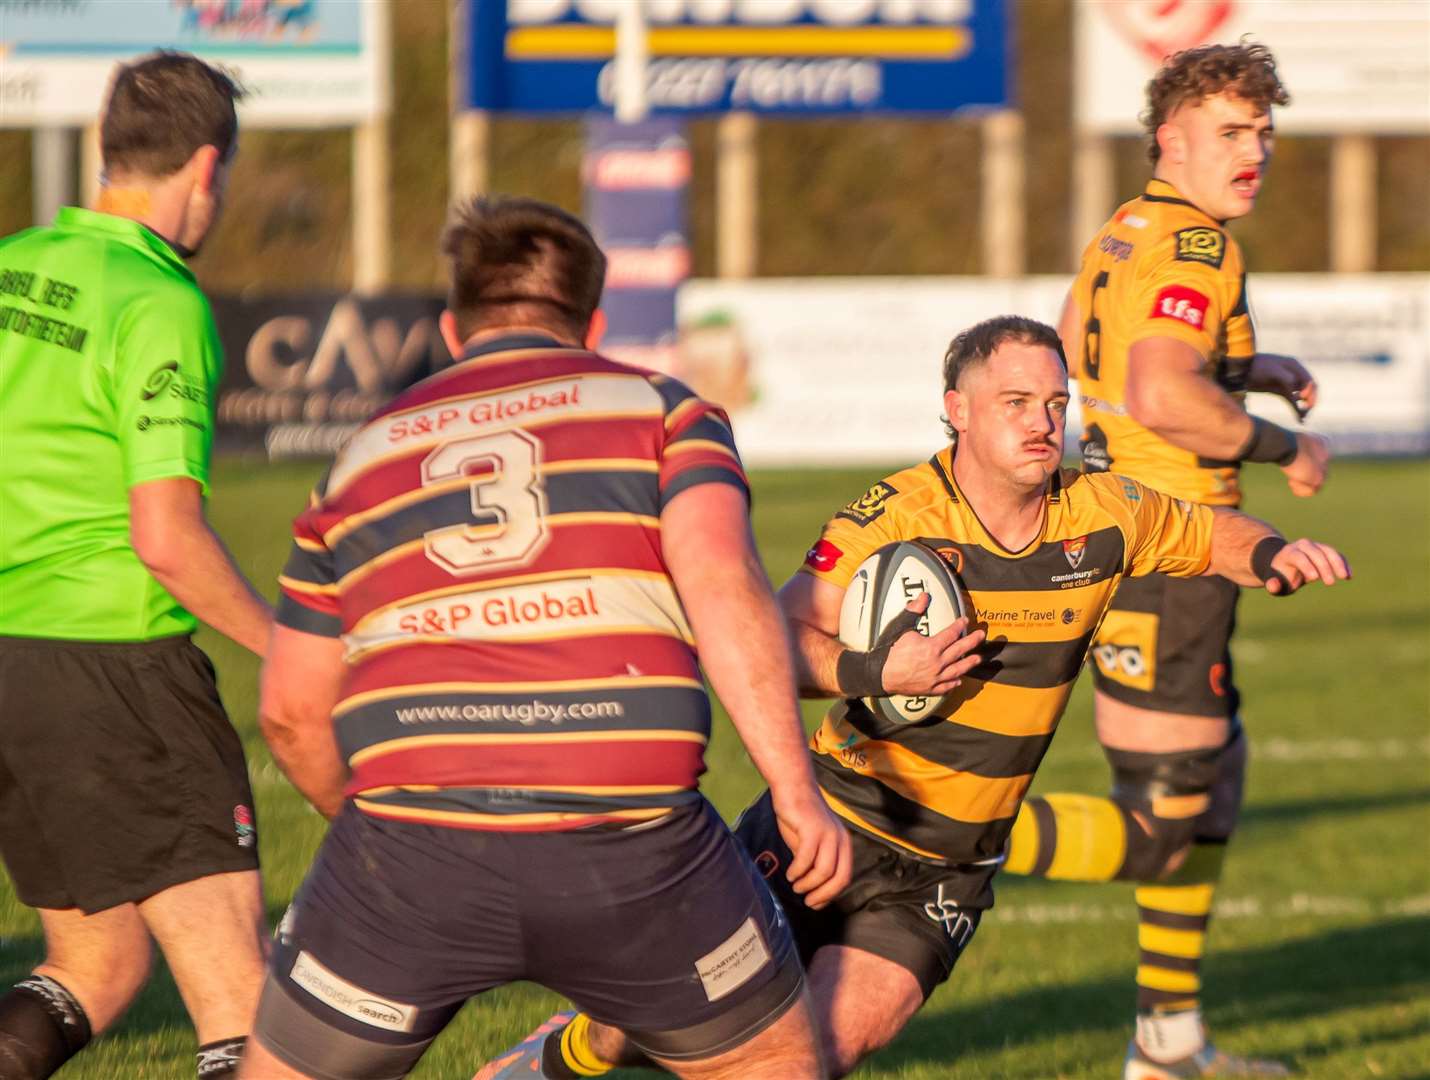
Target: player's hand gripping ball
873,614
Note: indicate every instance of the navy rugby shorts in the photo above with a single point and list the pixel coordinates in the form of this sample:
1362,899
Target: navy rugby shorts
664,930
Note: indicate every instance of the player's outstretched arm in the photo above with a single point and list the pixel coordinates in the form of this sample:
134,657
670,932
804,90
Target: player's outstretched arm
1168,393
708,547
908,662
173,540
302,677
1252,553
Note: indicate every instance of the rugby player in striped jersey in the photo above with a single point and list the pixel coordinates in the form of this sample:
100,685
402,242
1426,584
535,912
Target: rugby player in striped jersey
485,673
930,805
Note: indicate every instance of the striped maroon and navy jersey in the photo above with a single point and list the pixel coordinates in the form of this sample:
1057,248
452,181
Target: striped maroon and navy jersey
488,547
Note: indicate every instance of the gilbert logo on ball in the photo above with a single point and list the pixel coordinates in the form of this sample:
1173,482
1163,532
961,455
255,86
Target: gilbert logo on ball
885,583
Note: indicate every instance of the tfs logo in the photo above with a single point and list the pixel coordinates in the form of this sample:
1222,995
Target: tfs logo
1183,304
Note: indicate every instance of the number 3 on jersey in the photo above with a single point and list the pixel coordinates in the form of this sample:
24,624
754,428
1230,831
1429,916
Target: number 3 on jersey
503,472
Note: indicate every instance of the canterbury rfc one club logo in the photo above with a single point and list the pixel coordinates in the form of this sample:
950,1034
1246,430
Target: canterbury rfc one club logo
1074,550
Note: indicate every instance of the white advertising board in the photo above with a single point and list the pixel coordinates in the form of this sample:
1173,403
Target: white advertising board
305,63
1351,66
837,371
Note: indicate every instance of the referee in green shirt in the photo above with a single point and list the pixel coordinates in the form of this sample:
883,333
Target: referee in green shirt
125,809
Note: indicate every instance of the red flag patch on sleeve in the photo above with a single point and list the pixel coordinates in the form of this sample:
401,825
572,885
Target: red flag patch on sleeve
1182,303
822,556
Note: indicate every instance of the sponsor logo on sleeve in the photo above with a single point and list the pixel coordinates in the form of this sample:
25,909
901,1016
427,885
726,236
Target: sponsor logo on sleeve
822,556
168,382
1201,245
1183,304
867,507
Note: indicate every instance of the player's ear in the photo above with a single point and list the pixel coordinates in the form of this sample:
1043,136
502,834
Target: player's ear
955,407
595,330
1172,143
447,326
204,165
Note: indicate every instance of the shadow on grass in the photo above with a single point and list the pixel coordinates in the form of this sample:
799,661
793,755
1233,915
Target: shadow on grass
1296,980
1323,805
1293,981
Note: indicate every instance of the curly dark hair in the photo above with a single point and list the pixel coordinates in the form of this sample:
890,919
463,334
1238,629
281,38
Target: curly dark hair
1245,69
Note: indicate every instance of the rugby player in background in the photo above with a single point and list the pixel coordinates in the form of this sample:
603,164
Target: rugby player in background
1158,328
521,554
125,808
929,805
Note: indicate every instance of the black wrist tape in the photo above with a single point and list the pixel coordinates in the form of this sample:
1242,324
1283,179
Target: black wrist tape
1269,443
861,674
1265,550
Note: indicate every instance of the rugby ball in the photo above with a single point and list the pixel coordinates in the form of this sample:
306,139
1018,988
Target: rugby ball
885,583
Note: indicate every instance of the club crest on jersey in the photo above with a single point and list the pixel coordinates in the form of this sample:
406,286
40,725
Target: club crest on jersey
1201,245
949,554
1074,550
870,505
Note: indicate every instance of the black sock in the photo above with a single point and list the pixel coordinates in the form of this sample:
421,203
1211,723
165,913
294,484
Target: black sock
221,1058
41,1027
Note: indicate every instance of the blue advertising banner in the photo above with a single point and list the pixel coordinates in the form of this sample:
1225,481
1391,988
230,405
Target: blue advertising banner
636,178
766,56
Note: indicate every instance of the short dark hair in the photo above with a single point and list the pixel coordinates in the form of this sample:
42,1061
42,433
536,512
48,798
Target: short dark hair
162,108
520,260
974,346
1246,70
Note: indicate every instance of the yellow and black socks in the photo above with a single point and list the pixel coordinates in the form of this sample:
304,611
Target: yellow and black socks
567,1054
1068,838
1172,918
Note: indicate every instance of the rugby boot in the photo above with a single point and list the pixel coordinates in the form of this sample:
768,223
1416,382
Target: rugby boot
523,1061
1208,1061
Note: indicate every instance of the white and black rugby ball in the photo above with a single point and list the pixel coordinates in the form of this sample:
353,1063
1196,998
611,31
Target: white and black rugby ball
885,583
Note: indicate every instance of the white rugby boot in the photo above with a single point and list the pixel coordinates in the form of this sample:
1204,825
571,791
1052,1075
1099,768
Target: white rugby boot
1207,1061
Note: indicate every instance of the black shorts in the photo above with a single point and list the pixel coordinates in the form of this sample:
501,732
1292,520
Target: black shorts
917,914
1165,645
120,774
663,930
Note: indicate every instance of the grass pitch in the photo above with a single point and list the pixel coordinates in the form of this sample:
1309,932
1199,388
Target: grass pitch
1320,951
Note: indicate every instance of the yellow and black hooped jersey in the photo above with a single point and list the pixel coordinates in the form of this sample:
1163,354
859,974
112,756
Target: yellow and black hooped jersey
1160,268
949,787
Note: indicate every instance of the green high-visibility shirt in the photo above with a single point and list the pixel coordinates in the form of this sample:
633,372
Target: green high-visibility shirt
109,361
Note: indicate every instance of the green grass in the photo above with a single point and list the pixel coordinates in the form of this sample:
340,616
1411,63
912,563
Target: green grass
1321,952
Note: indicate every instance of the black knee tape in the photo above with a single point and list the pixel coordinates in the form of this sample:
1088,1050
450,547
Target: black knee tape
41,1027
1141,782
